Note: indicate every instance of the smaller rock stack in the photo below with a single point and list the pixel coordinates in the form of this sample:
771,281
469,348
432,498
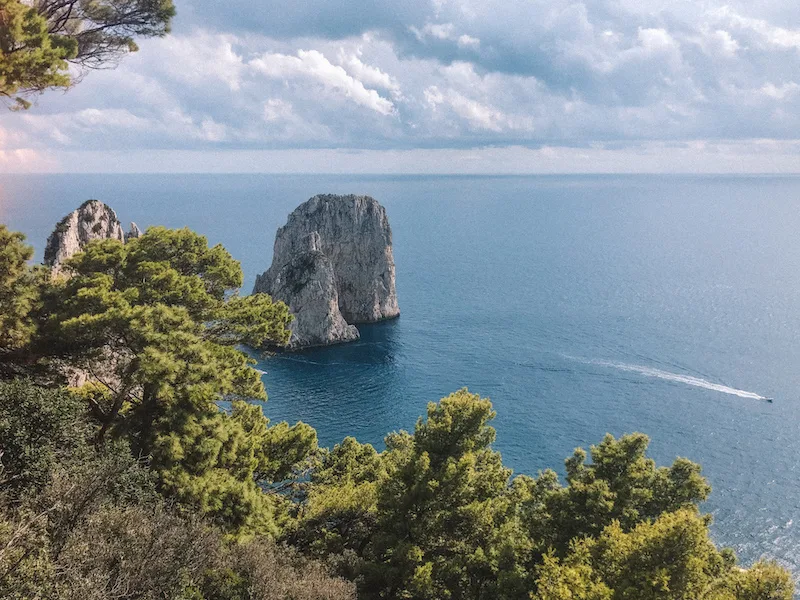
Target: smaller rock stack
93,220
133,232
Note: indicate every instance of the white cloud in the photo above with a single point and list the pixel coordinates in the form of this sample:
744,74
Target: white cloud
467,41
313,65
719,42
368,74
445,32
441,31
65,128
462,73
26,160
201,58
16,157
283,123
212,131
276,109
779,92
770,34
59,136
478,115
108,118
656,40
72,128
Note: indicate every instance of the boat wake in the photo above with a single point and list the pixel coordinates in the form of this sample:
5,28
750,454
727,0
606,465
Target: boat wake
675,377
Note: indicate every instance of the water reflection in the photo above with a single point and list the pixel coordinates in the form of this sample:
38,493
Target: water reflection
348,387
378,345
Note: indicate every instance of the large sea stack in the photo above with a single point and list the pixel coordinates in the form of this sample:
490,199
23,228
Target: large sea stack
93,220
333,266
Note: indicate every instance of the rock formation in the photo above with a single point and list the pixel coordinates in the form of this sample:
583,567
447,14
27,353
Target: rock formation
333,265
93,220
308,284
134,232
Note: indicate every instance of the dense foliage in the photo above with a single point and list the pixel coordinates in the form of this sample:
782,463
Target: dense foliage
18,291
40,38
77,522
153,327
156,477
437,515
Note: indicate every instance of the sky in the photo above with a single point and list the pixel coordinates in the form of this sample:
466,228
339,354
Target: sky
435,86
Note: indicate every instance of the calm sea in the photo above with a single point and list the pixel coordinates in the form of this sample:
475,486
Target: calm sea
579,305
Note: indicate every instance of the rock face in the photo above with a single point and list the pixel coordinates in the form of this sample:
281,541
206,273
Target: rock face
134,232
333,265
93,220
308,284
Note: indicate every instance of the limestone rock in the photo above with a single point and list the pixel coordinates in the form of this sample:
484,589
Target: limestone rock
351,235
308,284
92,221
134,232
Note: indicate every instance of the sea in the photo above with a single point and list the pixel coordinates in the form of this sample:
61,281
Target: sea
579,305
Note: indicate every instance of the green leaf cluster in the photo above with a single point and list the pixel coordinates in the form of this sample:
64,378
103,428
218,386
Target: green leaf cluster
19,291
31,60
84,522
39,429
621,484
668,558
39,40
155,327
437,515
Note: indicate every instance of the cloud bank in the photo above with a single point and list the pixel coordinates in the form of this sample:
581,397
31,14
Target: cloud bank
455,75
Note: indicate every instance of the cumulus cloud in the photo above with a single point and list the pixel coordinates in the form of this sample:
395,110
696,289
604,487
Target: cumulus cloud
444,31
476,114
768,33
780,92
313,65
202,59
368,74
437,73
718,42
15,157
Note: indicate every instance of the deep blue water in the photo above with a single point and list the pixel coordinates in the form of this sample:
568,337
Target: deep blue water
579,305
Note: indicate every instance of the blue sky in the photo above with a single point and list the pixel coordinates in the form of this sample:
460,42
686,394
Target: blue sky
435,86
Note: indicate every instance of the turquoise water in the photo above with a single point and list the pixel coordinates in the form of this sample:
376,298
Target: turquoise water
579,305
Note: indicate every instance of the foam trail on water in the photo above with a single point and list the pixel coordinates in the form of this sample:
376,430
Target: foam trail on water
676,377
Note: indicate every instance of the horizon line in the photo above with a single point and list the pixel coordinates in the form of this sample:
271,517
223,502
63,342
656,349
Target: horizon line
421,173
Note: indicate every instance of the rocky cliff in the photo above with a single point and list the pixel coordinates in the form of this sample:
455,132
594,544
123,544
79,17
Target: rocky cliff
334,254
93,220
307,283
